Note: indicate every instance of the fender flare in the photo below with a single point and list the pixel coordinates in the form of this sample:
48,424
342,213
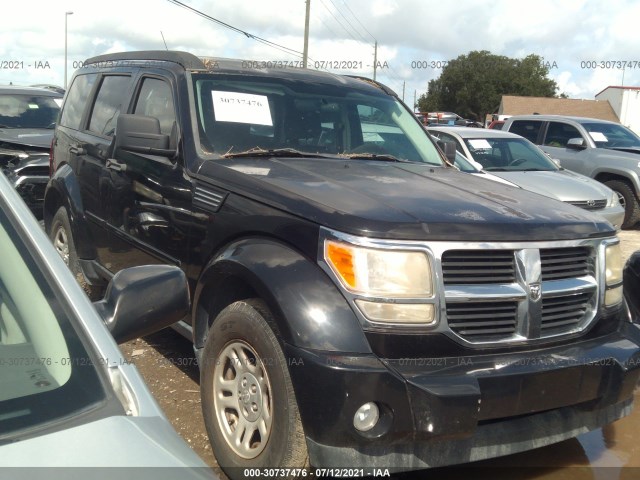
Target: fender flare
64,190
310,311
627,173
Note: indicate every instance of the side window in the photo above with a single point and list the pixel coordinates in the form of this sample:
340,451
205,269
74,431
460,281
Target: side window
155,100
558,134
108,105
528,129
76,100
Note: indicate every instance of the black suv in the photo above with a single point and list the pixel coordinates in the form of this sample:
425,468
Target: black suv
357,303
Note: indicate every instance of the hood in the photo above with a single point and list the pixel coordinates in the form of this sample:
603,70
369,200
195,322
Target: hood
562,185
29,137
625,149
402,200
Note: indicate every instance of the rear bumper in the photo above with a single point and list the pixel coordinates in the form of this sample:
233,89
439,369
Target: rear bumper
445,411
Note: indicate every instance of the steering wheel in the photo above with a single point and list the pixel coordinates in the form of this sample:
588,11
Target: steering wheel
516,161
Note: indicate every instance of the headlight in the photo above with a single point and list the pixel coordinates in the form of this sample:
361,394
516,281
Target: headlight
613,275
392,275
380,273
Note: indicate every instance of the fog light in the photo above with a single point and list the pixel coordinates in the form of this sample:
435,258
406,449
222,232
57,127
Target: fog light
366,417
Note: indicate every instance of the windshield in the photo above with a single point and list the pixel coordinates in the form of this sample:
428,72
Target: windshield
46,374
508,154
611,135
239,114
28,111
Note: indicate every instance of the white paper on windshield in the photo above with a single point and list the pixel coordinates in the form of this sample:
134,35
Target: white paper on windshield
480,144
241,108
33,105
598,137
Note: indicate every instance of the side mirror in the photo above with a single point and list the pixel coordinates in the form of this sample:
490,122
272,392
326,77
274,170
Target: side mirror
141,134
631,282
576,143
449,150
143,300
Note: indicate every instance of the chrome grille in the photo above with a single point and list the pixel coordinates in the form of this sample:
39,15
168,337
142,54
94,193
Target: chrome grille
483,321
467,267
590,204
560,314
560,263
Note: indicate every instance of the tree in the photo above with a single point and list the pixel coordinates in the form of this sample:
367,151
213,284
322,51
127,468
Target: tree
473,84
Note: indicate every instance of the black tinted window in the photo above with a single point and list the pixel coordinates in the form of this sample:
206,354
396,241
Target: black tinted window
76,101
108,105
558,134
526,128
155,100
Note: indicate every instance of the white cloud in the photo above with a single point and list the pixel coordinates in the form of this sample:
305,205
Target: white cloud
565,33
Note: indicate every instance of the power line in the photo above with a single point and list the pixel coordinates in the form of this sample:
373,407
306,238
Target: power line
357,20
338,21
347,20
238,30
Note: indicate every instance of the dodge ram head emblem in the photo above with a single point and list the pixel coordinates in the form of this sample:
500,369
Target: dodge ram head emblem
535,292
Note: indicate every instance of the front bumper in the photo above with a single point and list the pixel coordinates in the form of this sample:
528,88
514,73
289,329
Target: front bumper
444,411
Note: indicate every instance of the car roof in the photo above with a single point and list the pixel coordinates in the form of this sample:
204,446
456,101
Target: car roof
16,90
560,117
219,65
466,132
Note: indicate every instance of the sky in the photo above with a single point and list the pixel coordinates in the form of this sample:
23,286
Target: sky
585,43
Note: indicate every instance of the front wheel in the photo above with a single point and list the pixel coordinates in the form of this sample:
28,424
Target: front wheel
628,200
62,239
248,401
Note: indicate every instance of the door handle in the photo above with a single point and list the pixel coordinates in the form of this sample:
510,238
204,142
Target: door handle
116,166
77,150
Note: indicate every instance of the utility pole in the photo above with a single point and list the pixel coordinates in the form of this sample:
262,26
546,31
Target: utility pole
305,51
403,84
415,92
375,59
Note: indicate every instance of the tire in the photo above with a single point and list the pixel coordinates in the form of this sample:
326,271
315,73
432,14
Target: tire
628,200
246,387
62,240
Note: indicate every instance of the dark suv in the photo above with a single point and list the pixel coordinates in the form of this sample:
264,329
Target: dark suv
357,303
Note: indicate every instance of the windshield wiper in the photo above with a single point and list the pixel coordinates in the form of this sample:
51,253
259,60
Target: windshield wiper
278,152
495,169
374,156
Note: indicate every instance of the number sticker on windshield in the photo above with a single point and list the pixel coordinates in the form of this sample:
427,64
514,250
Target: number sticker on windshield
598,137
241,108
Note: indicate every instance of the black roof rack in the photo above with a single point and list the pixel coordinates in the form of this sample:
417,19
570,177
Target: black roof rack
185,59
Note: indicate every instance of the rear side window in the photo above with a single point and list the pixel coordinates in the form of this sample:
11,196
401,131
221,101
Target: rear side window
558,134
528,129
108,105
76,100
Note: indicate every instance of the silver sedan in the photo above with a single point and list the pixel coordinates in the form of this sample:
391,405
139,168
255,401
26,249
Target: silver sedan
518,161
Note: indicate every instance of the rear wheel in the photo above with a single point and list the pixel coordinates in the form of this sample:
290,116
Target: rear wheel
60,235
628,200
248,401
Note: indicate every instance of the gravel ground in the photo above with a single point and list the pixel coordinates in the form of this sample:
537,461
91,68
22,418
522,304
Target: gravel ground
167,363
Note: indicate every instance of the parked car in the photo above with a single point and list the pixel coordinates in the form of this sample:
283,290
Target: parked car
606,151
517,160
27,118
68,397
496,125
356,302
